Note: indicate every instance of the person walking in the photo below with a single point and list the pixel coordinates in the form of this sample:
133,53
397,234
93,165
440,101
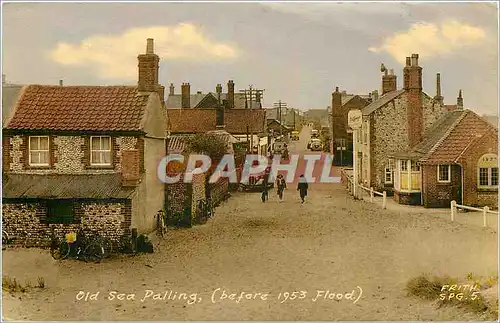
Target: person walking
281,185
265,183
302,188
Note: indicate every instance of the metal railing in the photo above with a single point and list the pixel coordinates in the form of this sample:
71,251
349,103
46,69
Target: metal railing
454,206
350,187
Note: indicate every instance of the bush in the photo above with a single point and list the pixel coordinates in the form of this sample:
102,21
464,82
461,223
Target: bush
426,288
212,145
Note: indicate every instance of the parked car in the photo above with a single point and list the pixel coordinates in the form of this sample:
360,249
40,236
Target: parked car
315,144
255,181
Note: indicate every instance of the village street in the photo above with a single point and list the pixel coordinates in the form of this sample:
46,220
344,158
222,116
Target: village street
329,243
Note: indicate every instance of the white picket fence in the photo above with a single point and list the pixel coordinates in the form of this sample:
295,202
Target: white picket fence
346,178
485,210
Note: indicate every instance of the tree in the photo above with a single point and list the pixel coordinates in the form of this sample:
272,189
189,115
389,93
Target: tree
212,145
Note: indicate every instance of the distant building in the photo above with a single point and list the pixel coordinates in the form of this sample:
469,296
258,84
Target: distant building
210,100
341,135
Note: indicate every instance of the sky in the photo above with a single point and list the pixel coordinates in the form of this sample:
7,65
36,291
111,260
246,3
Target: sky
296,52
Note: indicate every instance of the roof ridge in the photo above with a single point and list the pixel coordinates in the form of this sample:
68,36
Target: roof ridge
446,134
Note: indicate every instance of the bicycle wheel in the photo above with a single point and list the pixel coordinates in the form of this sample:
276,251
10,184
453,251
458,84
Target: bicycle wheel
60,250
107,245
94,252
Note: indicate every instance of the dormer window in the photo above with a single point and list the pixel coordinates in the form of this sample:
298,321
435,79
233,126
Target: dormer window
39,154
100,151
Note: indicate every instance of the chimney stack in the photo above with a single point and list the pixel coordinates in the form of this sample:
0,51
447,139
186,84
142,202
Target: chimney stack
148,69
438,96
460,101
336,102
389,82
60,82
130,167
375,95
415,117
406,74
172,89
230,94
185,96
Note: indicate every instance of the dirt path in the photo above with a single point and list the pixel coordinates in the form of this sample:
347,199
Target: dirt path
330,243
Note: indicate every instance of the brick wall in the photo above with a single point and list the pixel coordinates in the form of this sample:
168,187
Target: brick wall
23,221
389,132
472,195
440,194
69,154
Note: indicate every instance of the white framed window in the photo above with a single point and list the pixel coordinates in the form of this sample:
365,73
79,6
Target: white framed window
487,171
39,153
389,172
444,173
409,176
100,150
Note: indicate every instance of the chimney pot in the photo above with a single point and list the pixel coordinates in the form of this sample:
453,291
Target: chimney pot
230,94
185,96
198,92
150,46
60,82
336,89
408,61
414,60
172,89
4,78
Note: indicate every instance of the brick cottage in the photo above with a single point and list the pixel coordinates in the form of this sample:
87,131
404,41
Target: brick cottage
456,160
85,157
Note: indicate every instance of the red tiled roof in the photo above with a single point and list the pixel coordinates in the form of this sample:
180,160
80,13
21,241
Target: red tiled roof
237,121
80,108
191,120
450,107
465,131
203,120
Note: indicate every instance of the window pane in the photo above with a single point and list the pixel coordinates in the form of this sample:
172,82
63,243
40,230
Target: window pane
105,143
443,173
33,143
404,165
483,176
34,159
106,157
44,157
95,158
415,181
404,181
44,143
494,176
95,143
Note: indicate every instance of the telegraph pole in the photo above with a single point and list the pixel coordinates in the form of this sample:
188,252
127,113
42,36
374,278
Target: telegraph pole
279,105
251,95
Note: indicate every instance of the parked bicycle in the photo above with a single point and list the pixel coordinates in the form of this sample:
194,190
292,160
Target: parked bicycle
78,246
205,210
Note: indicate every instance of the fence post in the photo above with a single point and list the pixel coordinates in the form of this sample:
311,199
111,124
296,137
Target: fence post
453,209
485,211
371,194
384,199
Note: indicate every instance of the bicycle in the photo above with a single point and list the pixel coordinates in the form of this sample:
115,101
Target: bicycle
106,243
81,248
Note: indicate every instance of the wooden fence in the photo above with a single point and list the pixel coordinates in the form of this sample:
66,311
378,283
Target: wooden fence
485,210
346,178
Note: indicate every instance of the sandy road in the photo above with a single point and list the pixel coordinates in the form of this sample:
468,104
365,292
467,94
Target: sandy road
331,243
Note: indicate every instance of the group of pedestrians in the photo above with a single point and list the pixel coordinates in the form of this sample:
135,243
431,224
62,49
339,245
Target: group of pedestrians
302,187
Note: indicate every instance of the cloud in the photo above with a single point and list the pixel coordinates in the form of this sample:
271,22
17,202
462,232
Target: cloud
431,40
115,56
